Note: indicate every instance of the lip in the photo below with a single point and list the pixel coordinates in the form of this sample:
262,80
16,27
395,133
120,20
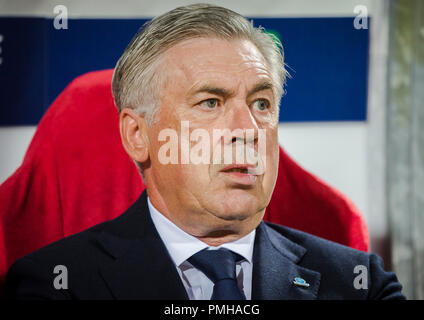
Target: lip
238,166
239,177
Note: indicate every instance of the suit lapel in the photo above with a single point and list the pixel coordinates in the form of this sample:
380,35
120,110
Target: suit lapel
275,267
141,266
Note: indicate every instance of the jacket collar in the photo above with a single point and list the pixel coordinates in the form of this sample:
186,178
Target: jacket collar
275,267
141,267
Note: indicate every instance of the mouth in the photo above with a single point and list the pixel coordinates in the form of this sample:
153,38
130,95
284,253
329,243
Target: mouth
241,170
240,174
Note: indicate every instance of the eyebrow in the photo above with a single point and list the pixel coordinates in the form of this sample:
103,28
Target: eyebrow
261,86
225,93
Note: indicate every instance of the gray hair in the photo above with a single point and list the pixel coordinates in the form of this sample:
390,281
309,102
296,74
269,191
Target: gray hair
136,82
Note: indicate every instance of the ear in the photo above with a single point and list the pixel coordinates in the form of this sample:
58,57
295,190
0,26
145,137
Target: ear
133,129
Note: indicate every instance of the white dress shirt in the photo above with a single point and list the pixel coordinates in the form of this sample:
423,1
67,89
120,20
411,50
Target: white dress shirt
181,246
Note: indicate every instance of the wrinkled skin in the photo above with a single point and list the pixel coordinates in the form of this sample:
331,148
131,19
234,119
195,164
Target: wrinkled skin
210,83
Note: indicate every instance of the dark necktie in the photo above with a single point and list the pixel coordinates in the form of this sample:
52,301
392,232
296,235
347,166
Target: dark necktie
220,267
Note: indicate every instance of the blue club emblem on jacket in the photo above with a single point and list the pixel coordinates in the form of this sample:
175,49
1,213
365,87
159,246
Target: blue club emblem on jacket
300,282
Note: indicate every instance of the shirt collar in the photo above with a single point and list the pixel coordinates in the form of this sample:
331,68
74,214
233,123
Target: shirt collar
182,245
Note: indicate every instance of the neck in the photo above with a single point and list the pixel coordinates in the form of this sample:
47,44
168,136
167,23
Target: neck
214,234
219,239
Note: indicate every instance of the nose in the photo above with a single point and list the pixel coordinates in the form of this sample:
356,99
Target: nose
242,124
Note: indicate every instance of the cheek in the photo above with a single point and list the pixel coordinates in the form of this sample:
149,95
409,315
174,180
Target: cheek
194,178
272,155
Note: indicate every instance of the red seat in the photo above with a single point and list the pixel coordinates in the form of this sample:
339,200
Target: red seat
76,174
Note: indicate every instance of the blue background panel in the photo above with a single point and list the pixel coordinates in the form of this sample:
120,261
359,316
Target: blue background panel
328,61
23,71
327,58
87,45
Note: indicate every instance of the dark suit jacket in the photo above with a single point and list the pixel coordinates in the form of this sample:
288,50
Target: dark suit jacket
125,259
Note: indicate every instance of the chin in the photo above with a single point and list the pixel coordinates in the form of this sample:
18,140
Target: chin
238,206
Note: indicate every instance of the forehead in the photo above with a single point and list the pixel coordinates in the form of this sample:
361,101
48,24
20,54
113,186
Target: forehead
211,59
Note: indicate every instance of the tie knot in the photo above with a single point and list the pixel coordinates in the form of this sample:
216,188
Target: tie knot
216,264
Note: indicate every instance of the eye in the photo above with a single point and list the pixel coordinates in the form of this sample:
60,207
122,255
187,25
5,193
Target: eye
210,103
261,104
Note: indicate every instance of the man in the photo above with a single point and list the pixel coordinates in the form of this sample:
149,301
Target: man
197,233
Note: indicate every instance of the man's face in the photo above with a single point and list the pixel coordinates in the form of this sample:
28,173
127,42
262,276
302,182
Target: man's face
214,84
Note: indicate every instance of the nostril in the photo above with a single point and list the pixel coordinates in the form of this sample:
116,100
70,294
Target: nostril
237,138
245,140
